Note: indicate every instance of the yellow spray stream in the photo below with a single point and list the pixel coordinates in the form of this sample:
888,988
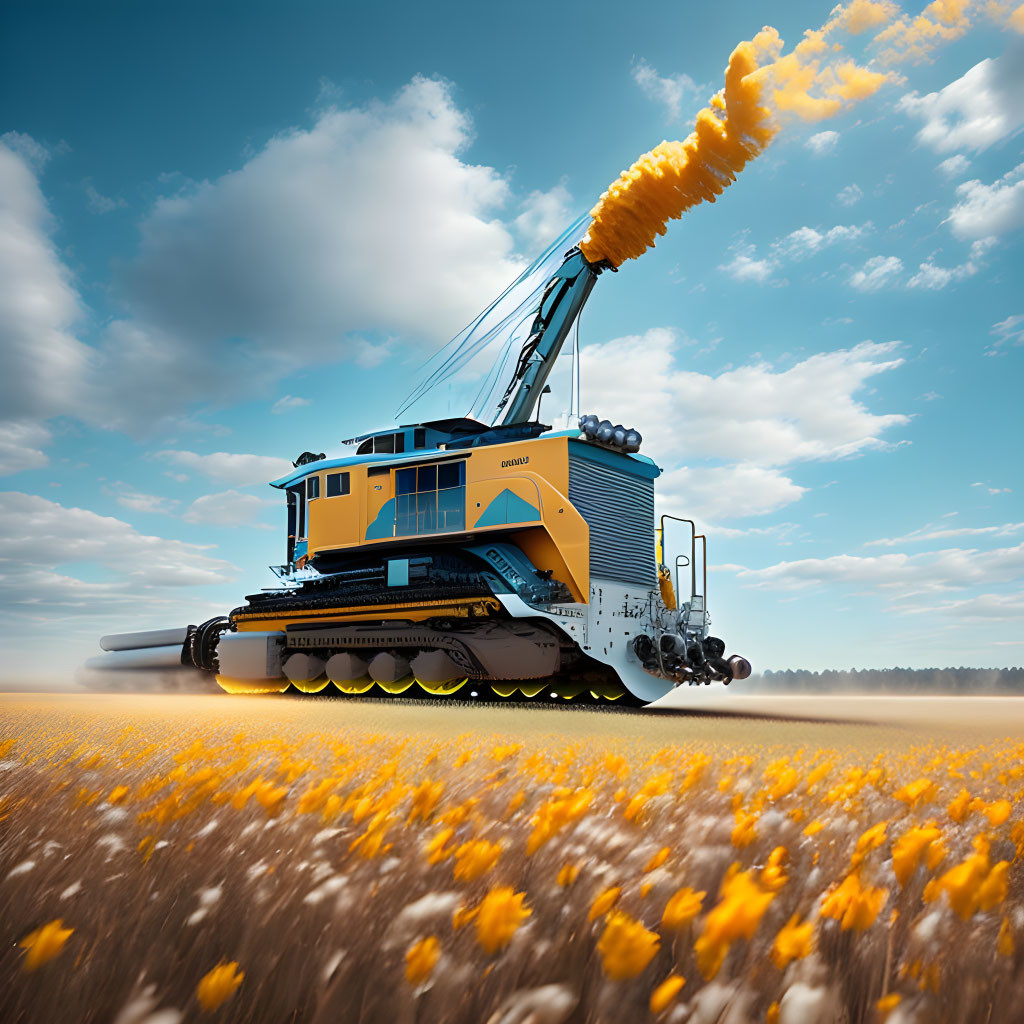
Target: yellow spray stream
812,82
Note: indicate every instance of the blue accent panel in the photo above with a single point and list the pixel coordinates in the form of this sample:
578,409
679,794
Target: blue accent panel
637,465
398,572
508,508
384,524
301,547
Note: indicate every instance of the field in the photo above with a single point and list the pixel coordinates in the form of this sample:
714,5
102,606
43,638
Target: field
167,858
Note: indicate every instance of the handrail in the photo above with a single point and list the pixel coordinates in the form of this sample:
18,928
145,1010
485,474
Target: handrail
704,559
693,552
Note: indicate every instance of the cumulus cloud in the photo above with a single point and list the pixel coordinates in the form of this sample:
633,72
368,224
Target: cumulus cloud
876,273
543,217
931,276
849,195
139,502
230,508
898,573
981,608
984,210
914,37
776,418
745,266
934,531
294,256
980,108
41,361
289,402
954,166
669,90
40,536
230,468
806,240
21,444
822,142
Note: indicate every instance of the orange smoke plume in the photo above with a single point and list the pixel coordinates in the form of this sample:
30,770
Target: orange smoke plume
811,82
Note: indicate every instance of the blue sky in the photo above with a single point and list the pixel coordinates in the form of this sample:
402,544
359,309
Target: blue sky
233,232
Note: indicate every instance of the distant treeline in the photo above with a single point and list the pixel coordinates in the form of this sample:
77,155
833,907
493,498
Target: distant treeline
891,680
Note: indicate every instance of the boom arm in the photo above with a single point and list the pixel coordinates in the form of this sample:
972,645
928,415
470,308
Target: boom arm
560,305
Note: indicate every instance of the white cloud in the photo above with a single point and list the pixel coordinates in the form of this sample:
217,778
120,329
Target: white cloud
775,418
289,402
544,216
713,493
669,91
849,195
230,508
228,468
41,362
982,608
822,143
898,573
982,107
289,258
954,166
932,532
876,273
798,244
807,412
1008,333
99,203
38,536
744,266
806,241
995,209
21,443
138,502
932,277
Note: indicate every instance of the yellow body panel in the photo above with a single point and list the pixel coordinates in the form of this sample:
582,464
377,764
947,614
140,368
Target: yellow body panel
414,611
534,472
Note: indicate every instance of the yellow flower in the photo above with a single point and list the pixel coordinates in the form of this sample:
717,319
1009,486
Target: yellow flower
972,884
813,828
663,995
745,831
475,858
421,959
888,1003
554,814
657,860
911,848
568,874
437,847
998,812
44,943
741,905
626,947
117,795
959,806
682,907
1004,944
869,840
499,916
794,942
604,902
219,985
425,798
853,905
773,875
918,792
462,917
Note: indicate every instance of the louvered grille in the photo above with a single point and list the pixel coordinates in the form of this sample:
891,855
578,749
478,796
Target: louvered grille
619,509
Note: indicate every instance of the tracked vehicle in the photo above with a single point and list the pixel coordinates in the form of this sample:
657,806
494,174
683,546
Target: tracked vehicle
502,560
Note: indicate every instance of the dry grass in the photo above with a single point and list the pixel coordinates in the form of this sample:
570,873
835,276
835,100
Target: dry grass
166,858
